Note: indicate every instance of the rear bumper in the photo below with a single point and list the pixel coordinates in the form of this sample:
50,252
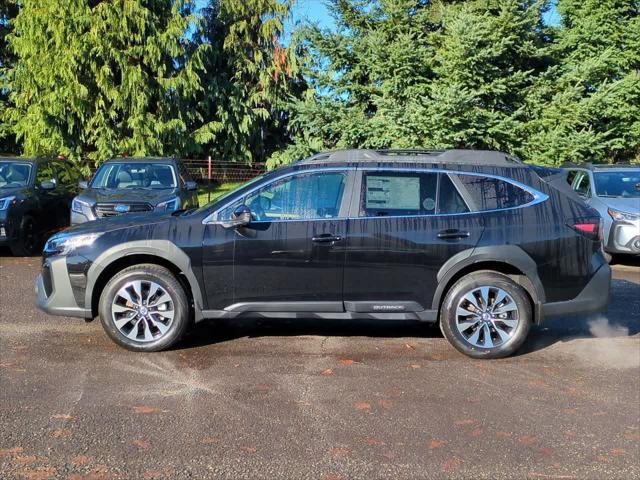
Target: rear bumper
594,298
58,298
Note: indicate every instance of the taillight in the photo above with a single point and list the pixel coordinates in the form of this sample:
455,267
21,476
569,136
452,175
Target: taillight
591,228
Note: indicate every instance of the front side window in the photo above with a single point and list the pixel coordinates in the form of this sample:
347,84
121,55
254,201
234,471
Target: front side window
14,174
618,184
489,193
398,193
300,197
122,175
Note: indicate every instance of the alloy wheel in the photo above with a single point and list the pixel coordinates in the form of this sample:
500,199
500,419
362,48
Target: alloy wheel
142,310
487,317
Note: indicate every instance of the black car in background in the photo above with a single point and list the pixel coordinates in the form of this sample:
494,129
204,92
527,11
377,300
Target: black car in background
135,185
35,197
476,241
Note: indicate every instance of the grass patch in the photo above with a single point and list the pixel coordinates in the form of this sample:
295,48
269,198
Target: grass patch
216,191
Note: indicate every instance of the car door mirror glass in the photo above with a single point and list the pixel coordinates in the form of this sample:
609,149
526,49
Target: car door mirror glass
48,185
83,184
241,217
190,185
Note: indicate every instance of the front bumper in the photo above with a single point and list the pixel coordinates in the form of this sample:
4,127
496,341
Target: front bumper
594,298
624,237
54,294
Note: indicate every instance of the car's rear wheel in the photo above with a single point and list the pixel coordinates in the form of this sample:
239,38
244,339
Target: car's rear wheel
486,315
144,308
28,243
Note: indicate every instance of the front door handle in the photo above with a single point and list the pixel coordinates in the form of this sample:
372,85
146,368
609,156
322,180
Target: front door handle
326,238
453,234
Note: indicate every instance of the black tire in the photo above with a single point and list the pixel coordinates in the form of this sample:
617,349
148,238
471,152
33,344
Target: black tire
471,284
178,300
29,241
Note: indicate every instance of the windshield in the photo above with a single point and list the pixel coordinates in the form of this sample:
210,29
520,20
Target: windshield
14,174
121,175
618,184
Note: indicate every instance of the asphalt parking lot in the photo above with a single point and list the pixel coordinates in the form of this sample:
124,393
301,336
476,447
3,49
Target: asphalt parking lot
318,400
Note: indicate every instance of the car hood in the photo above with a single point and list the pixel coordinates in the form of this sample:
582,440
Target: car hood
624,204
133,195
120,222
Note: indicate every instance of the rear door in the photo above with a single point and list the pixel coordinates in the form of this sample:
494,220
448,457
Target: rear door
404,227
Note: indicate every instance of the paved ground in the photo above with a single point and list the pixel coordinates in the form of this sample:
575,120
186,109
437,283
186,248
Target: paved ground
316,400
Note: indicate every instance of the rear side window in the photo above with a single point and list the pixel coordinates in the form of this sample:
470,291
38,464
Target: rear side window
487,193
449,200
398,193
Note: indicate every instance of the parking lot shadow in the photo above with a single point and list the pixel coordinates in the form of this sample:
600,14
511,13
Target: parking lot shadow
622,319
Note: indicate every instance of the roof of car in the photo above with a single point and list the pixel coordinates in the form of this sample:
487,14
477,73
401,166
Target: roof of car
461,156
142,159
601,166
25,159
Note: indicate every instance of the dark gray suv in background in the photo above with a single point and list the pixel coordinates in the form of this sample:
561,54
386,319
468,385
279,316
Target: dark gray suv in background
476,241
135,185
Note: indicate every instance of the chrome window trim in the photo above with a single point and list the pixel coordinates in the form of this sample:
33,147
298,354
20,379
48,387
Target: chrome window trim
538,197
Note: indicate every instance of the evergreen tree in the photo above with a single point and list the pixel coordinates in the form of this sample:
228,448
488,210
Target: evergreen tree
100,78
8,11
587,106
413,73
248,77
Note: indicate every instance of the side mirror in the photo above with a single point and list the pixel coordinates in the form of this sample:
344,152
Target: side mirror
48,185
190,185
83,184
241,217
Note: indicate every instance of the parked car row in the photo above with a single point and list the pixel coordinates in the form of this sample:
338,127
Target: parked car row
475,241
40,196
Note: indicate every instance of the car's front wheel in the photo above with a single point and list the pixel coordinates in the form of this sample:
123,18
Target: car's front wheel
486,315
144,308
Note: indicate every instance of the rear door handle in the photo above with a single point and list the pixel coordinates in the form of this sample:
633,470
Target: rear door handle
326,238
453,234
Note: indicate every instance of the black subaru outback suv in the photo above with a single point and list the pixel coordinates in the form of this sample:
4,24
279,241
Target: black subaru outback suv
475,240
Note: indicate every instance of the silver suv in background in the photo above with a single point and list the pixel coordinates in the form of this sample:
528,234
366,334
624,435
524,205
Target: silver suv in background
614,191
135,185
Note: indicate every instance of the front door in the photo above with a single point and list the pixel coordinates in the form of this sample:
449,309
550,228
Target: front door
290,258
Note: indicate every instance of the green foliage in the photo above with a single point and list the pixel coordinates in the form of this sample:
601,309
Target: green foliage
97,79
8,12
472,74
586,107
248,78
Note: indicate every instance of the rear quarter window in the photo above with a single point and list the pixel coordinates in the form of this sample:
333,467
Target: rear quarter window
488,193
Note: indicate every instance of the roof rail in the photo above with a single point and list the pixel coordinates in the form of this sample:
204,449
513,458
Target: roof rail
416,155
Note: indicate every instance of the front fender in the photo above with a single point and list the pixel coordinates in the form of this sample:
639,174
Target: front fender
158,248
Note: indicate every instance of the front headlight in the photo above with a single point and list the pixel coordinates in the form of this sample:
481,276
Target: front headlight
5,201
64,244
622,216
169,205
78,205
